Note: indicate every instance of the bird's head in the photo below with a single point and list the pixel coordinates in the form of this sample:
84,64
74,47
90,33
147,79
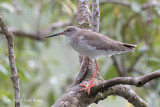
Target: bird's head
68,31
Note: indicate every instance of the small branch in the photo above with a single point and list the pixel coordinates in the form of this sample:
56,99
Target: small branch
95,15
137,81
41,35
14,74
22,33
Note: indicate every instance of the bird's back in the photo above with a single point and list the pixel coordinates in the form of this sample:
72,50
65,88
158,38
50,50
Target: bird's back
96,44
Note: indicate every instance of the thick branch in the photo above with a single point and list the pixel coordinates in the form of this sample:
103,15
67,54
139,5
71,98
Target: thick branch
124,91
84,15
84,22
137,81
75,98
14,74
95,15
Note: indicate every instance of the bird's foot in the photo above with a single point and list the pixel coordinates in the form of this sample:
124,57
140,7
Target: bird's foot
87,86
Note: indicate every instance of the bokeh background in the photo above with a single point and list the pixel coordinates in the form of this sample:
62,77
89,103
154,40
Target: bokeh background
47,68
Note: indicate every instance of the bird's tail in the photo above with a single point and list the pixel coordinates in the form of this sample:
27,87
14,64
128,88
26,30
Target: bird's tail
129,47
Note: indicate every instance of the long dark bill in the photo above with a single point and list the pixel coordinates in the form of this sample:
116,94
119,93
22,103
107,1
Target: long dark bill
61,33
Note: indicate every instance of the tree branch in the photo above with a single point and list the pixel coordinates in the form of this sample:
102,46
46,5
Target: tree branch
124,91
84,22
22,33
41,34
14,75
137,81
95,15
75,98
84,15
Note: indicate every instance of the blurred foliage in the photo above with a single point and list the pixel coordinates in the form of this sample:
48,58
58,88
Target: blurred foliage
47,68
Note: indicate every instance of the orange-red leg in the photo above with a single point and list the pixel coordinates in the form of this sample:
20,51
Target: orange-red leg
89,85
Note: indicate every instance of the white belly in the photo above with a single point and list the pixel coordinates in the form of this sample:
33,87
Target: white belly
84,49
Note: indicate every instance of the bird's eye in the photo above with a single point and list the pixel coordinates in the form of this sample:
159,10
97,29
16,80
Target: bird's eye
68,30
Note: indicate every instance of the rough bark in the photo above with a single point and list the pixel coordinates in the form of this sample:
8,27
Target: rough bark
14,75
95,15
75,98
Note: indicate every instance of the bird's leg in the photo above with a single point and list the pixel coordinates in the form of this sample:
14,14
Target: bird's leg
89,85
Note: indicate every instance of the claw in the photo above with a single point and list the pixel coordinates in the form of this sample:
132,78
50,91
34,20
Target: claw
87,86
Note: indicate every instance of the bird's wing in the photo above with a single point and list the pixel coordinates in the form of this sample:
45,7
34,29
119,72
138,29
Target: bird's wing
105,43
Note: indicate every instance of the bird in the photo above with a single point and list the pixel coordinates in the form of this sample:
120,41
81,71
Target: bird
93,45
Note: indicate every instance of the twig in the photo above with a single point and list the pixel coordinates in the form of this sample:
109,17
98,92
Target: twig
137,81
95,15
14,74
